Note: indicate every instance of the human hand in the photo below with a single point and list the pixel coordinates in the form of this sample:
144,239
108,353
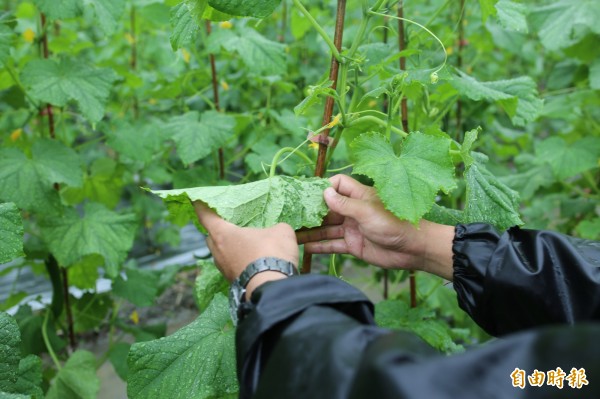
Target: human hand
233,247
358,224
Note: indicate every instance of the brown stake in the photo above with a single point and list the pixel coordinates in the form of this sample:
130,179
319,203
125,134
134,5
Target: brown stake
46,53
333,76
404,116
65,280
459,63
134,58
64,275
215,86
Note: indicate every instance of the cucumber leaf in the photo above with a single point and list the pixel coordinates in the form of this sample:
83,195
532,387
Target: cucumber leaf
197,361
11,232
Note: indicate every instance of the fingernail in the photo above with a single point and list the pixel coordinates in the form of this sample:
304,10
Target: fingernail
329,192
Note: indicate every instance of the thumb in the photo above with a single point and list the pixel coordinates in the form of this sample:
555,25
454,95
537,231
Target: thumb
343,205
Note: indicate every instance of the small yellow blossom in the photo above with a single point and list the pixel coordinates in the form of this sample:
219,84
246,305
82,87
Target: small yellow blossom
335,121
314,146
224,85
225,25
372,104
29,35
186,55
14,136
450,50
135,317
130,39
152,101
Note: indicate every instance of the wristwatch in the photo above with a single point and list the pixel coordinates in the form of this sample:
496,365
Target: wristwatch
237,291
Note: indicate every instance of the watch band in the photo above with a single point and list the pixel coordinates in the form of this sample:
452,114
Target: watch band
237,291
263,265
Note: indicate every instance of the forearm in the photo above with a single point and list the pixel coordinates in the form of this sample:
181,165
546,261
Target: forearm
313,336
525,278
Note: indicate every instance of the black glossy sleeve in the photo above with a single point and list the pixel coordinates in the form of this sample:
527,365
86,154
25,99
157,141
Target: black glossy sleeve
525,278
313,337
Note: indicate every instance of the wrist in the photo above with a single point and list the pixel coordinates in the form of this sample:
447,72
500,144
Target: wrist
261,278
435,251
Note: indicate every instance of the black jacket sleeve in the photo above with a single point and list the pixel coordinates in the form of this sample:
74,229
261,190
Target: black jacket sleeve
525,278
313,337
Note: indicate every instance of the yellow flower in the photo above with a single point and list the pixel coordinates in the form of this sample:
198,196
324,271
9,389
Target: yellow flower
335,121
372,104
314,146
14,136
130,39
152,101
29,35
224,85
225,25
135,317
450,50
186,55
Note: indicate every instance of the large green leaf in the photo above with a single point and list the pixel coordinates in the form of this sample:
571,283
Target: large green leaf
29,381
28,182
295,201
208,283
488,199
518,97
184,28
396,314
564,22
487,8
99,231
512,15
530,180
140,286
197,361
138,141
60,82
59,9
567,160
196,136
108,13
261,55
407,183
246,8
10,352
11,232
77,379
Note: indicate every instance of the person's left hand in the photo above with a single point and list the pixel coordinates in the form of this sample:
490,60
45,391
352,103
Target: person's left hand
234,248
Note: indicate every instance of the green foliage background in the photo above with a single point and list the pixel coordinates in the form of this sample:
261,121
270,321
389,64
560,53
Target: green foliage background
128,86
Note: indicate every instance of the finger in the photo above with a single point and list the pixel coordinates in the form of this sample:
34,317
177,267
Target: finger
343,205
333,218
338,246
349,187
320,234
208,218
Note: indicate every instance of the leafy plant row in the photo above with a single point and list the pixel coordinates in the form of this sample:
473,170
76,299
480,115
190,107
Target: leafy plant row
457,113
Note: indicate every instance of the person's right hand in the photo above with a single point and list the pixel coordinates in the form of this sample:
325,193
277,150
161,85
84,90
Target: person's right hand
358,224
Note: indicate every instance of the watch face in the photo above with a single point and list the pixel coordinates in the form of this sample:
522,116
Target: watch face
236,291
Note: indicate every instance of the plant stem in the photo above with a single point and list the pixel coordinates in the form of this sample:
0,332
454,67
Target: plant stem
70,324
47,341
459,64
284,17
333,76
380,122
215,86
133,62
64,272
402,44
46,54
282,151
335,50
